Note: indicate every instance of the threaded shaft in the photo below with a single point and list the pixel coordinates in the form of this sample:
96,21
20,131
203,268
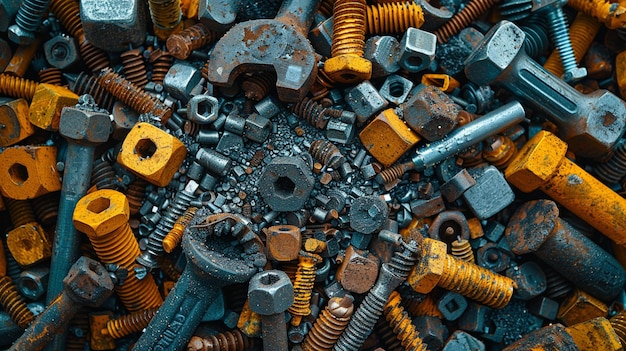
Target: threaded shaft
259,85
46,208
86,84
322,85
388,340
393,17
557,285
561,39
581,33
135,194
233,340
425,307
327,153
536,41
175,235
471,12
30,13
462,250
21,211
394,172
607,12
17,87
13,303
499,151
129,324
348,27
51,75
326,7
476,283
161,62
78,330
167,266
135,67
618,322
312,112
181,45
68,13
303,286
133,96
329,325
614,169
102,175
165,14
95,58
401,323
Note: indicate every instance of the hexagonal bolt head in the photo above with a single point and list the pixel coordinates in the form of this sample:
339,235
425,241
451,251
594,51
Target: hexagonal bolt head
84,127
124,20
417,49
270,292
283,242
431,113
47,105
27,172
14,117
348,69
101,212
32,283
426,274
382,51
20,36
61,51
202,109
257,128
358,270
88,282
286,183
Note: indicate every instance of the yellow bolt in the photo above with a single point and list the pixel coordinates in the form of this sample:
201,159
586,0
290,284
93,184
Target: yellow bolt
612,14
173,238
303,286
401,324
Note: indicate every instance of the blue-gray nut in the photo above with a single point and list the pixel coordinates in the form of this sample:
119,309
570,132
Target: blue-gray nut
382,52
61,51
32,283
417,49
180,80
88,282
202,109
270,292
84,126
368,214
112,25
396,89
365,101
257,128
286,183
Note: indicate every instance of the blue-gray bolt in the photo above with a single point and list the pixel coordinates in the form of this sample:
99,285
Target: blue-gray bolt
561,40
27,21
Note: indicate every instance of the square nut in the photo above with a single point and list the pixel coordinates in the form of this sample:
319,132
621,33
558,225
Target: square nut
14,117
387,138
152,154
417,49
48,101
365,101
27,172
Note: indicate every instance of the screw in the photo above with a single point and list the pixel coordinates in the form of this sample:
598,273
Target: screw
233,340
614,168
28,19
561,40
393,17
609,13
330,324
471,12
303,286
13,303
175,235
166,16
401,324
131,323
180,45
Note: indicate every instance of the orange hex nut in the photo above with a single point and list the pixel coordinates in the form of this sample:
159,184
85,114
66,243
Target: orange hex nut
541,164
152,154
27,172
29,244
387,138
49,100
14,119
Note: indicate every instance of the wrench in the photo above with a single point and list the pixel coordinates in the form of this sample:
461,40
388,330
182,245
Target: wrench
278,44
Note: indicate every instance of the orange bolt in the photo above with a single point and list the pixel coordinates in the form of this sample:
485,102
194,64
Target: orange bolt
612,14
541,164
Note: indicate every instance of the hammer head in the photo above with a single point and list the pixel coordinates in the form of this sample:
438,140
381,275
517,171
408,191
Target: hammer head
265,45
496,52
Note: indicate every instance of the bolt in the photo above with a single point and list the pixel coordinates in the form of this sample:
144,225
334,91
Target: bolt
330,324
27,21
471,12
401,324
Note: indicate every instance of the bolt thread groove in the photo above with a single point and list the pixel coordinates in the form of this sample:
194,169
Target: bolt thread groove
515,10
607,12
259,85
134,67
17,87
557,285
393,17
174,211
46,208
303,287
102,175
327,153
51,75
13,303
329,325
561,39
499,151
175,235
473,10
20,211
394,172
135,194
462,250
95,58
312,112
161,62
388,339
401,324
165,14
348,27
68,13
476,283
426,307
233,340
326,7
13,268
130,323
86,84
181,45
618,322
615,168
132,95
30,13
536,41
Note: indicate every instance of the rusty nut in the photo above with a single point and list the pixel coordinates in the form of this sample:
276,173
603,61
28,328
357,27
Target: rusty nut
101,212
431,113
88,282
358,270
29,244
283,242
27,172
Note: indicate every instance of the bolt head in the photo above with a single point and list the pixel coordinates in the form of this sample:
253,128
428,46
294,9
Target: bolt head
270,292
531,225
574,75
426,274
20,36
101,212
348,69
88,282
84,126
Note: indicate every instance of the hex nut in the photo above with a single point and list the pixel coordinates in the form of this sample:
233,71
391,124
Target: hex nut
152,154
339,132
396,89
579,307
368,214
83,126
286,183
448,226
29,244
417,49
382,52
387,138
431,113
61,51
358,270
32,282
491,193
124,20
365,101
47,103
491,257
270,292
283,242
425,276
101,212
88,282
27,172
202,109
180,80
14,116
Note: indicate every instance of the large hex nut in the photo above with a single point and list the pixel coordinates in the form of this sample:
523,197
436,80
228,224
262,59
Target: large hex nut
61,51
27,172
124,20
382,51
387,138
579,306
425,276
88,282
257,128
431,113
270,292
14,119
84,126
152,154
32,283
286,183
29,244
48,101
101,212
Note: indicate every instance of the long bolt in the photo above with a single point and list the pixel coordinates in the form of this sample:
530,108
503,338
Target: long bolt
560,39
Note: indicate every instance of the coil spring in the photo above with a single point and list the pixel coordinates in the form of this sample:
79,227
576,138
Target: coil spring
51,75
615,168
312,112
13,303
392,173
103,176
303,286
257,86
499,151
462,250
348,27
130,323
175,235
17,87
87,84
473,156
68,13
329,324
46,208
161,62
165,14
401,324
392,18
13,268
327,153
181,45
470,13
135,67
233,340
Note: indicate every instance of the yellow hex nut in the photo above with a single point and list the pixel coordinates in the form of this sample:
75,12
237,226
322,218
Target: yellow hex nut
49,100
14,119
595,335
580,307
27,172
152,154
387,138
425,277
29,244
101,212
348,69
